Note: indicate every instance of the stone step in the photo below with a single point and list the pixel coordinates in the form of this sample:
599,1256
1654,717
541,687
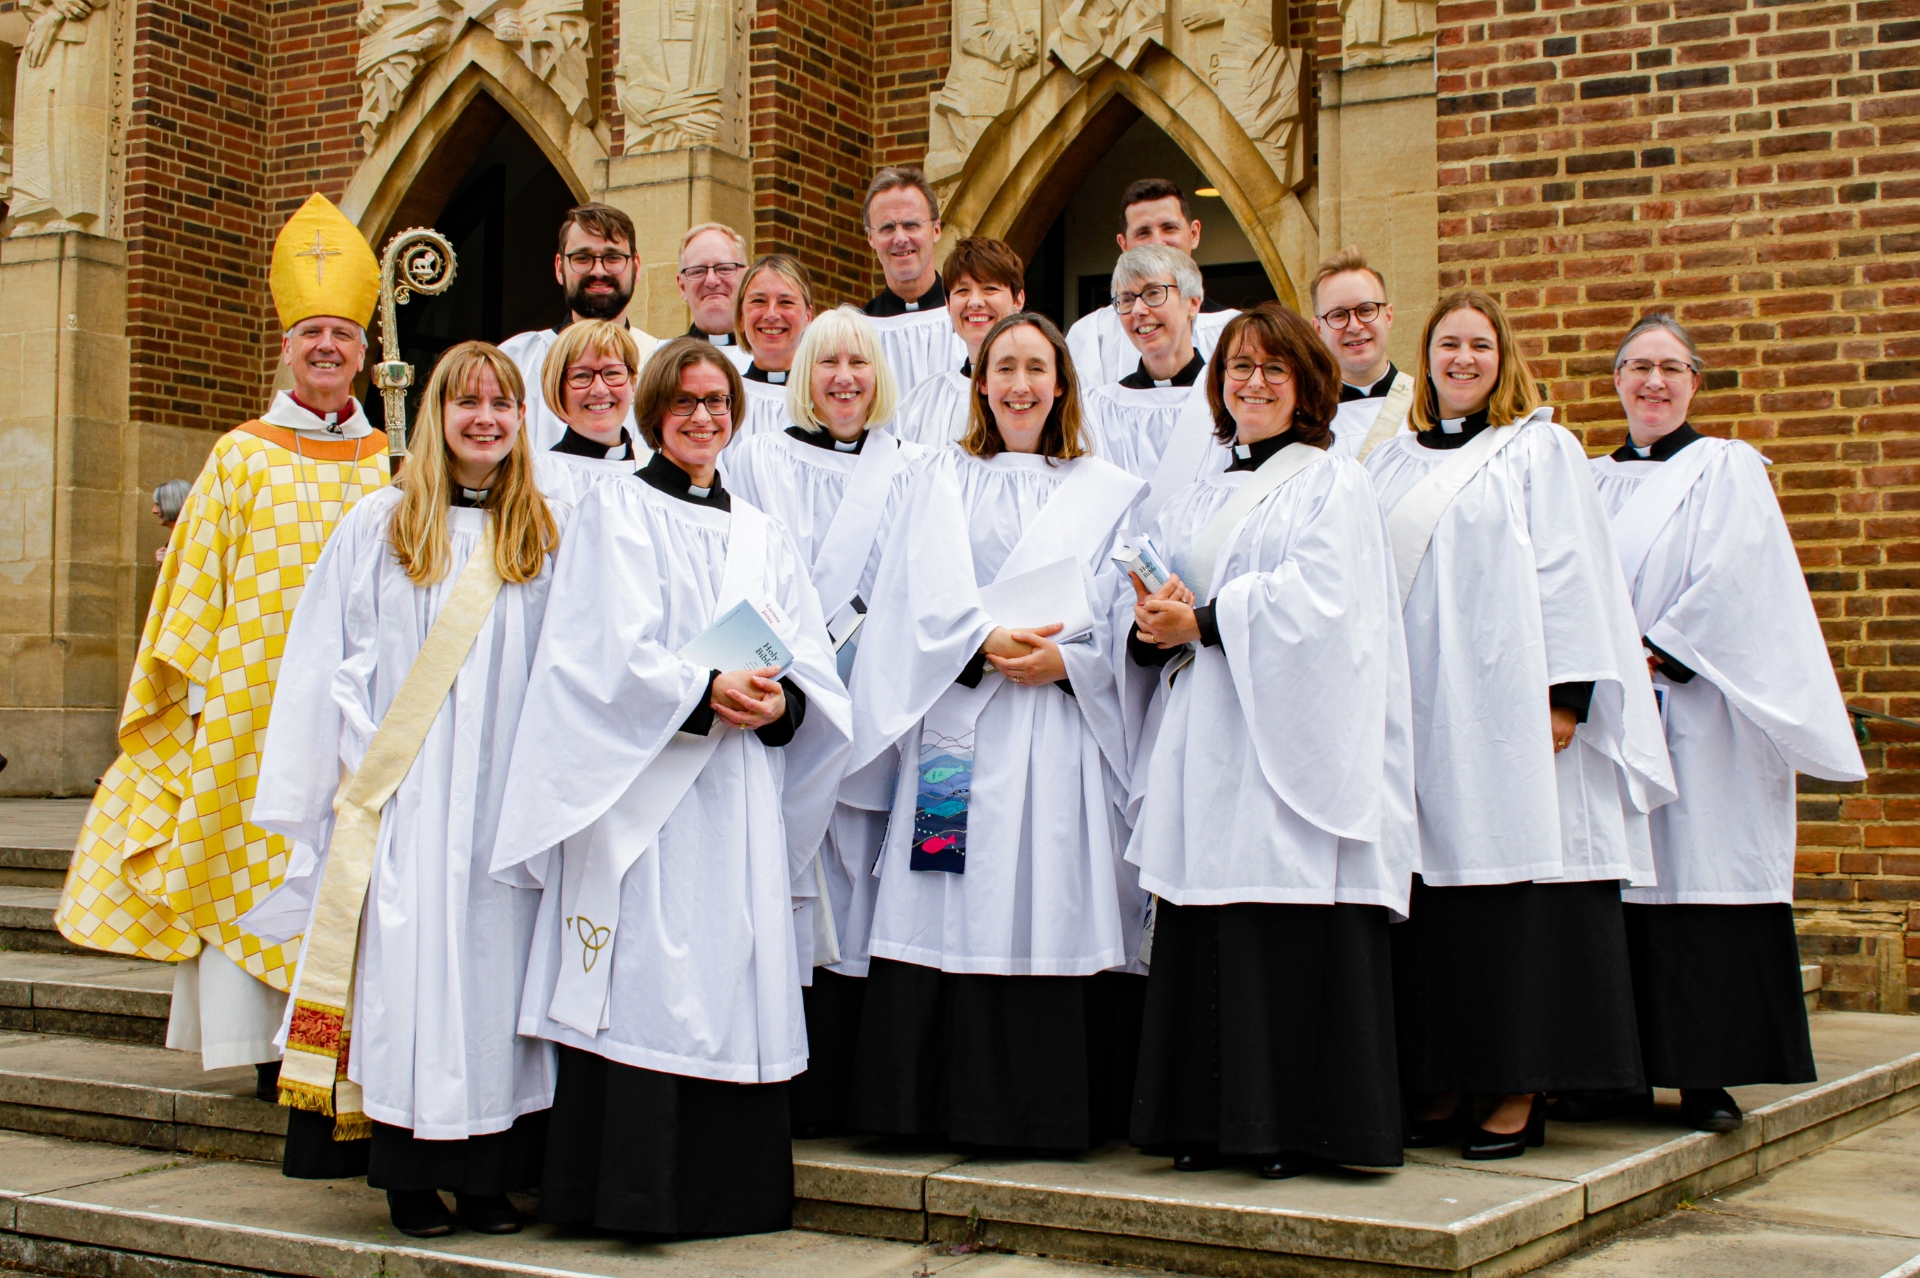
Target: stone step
26,921
37,838
93,995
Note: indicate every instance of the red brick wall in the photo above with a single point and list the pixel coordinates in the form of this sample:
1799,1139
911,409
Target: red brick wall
911,43
314,142
1755,168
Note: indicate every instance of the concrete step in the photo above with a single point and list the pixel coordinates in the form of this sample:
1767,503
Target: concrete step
93,995
37,838
26,921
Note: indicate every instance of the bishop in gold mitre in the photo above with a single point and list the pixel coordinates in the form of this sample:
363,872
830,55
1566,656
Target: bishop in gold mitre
168,861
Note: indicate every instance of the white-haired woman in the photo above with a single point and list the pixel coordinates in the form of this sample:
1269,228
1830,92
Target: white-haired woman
771,314
1716,967
834,480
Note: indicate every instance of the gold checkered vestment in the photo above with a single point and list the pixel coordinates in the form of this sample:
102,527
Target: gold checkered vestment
167,859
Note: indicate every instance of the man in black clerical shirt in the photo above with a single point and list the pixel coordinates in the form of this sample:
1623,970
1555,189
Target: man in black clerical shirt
902,220
1352,316
712,259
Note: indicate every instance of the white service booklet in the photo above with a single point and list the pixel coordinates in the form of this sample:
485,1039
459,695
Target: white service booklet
1052,592
740,640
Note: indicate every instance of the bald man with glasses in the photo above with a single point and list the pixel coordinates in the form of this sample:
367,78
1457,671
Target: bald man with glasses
713,263
1352,316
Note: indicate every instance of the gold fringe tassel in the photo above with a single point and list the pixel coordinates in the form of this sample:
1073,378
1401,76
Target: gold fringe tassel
298,1095
352,1127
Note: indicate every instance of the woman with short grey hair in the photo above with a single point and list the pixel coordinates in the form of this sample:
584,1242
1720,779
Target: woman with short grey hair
168,501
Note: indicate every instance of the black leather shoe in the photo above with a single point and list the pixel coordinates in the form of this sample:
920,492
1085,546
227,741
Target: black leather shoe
1196,1160
1710,1109
1482,1145
1428,1133
266,1082
488,1213
419,1213
1287,1166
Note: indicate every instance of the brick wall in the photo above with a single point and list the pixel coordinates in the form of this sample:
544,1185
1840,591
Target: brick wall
1755,168
196,255
911,43
313,140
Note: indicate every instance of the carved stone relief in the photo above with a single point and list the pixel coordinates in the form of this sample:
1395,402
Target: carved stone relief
682,74
997,62
399,38
60,119
1380,32
1258,80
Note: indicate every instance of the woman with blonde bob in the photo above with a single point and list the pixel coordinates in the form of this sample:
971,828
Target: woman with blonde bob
771,313
456,1097
1003,999
835,480
1537,749
587,381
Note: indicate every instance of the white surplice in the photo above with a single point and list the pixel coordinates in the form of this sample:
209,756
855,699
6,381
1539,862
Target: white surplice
802,487
528,351
564,478
918,345
1102,352
765,412
705,972
1046,891
1720,591
1353,420
1130,428
443,941
1282,766
935,412
1520,589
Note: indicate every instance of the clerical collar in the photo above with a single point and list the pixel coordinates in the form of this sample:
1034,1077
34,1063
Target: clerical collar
470,498
824,439
1141,379
579,445
718,339
1661,449
771,376
1350,393
334,422
889,302
1250,456
966,369
1453,432
661,473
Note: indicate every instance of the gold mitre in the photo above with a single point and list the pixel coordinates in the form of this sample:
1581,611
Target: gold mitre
322,266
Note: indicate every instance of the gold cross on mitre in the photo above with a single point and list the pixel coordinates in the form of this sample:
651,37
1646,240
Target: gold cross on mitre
348,291
319,253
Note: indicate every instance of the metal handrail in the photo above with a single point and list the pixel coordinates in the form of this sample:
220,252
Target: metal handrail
1861,716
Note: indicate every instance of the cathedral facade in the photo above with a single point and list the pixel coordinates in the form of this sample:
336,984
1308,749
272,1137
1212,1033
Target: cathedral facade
1751,165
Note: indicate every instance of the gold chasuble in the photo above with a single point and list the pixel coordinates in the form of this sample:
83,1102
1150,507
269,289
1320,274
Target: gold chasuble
167,860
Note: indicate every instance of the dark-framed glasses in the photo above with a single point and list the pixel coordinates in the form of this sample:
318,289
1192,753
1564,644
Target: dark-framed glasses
1151,294
584,260
1341,316
1242,370
716,405
1671,369
581,378
721,270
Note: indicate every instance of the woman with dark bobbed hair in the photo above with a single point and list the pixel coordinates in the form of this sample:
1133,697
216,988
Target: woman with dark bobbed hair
1276,825
1716,967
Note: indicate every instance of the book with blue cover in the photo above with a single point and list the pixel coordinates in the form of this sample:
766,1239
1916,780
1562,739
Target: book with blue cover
740,639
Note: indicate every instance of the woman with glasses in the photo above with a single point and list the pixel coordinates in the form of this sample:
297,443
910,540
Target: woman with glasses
1000,1009
1276,827
835,481
1716,966
772,311
688,781
588,384
1537,749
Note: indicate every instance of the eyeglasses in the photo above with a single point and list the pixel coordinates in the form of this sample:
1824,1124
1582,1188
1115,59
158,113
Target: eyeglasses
1241,370
1152,295
716,405
886,229
612,259
1340,316
725,270
581,378
1671,369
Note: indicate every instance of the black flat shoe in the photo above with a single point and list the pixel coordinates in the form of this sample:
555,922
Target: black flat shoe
266,1082
1428,1133
1710,1109
1196,1160
419,1213
1287,1166
488,1213
1482,1145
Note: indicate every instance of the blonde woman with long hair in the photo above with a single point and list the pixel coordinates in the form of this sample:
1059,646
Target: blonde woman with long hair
455,1096
1537,749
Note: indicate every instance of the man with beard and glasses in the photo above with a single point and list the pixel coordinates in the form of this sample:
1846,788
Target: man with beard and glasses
597,266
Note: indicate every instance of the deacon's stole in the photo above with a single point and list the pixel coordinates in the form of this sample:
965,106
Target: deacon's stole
167,859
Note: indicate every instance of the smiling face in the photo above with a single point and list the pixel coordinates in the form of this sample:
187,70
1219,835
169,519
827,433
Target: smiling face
479,420
710,296
694,442
1360,348
977,307
1162,334
773,315
1160,222
1022,382
324,353
842,386
595,289
902,229
1658,402
1259,391
597,410
1464,358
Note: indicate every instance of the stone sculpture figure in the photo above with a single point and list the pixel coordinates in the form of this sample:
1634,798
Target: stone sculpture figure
679,74
1259,81
62,100
1378,32
1119,30
996,61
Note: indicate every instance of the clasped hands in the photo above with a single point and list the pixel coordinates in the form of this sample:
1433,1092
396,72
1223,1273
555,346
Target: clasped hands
1026,656
749,698
1165,616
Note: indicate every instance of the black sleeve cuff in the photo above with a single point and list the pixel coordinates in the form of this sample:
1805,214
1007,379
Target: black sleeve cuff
781,730
1209,628
1145,654
1673,670
700,722
1576,697
1066,686
974,671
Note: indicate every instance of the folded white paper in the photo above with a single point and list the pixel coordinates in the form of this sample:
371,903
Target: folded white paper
740,640
1052,592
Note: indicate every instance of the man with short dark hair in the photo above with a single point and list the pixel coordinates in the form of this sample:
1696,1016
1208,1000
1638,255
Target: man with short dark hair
713,262
902,219
597,266
1353,317
1152,211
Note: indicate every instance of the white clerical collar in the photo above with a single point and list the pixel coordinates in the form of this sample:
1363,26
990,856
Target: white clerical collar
1643,452
846,445
618,453
1453,425
777,376
695,491
720,339
289,414
1242,451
